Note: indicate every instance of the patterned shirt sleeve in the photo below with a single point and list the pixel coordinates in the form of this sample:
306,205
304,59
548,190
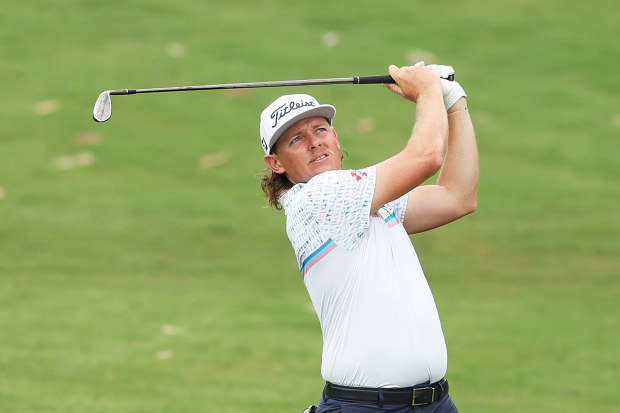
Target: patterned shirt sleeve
400,206
340,203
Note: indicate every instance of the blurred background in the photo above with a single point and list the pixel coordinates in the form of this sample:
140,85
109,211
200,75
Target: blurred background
140,270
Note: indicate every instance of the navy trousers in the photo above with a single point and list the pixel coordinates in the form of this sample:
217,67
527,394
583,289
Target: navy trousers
327,405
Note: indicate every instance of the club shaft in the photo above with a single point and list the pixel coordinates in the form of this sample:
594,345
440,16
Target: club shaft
306,82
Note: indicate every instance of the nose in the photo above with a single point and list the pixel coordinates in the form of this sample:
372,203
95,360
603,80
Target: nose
314,140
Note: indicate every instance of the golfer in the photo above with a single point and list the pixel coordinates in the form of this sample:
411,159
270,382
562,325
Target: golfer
383,345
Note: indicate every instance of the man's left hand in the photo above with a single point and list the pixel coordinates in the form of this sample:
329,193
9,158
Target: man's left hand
452,90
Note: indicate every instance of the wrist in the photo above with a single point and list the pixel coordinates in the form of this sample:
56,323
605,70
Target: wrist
430,93
458,106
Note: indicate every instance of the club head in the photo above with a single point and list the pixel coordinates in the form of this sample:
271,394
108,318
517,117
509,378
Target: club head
103,107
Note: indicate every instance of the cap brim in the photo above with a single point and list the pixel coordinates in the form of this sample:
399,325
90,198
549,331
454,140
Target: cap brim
323,111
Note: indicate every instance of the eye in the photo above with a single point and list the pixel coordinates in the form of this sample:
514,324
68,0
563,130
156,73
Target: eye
295,139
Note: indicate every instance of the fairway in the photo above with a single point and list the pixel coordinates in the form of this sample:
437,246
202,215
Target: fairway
140,270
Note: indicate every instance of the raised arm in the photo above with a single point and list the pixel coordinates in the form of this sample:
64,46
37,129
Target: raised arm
424,153
455,193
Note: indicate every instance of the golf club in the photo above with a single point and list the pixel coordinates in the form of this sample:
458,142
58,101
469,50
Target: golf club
103,106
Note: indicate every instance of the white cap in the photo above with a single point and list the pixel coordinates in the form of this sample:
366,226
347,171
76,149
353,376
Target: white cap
284,112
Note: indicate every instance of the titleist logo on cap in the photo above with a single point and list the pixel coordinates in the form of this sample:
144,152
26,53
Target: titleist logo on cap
285,109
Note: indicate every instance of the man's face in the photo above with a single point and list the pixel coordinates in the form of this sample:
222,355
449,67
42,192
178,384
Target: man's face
306,149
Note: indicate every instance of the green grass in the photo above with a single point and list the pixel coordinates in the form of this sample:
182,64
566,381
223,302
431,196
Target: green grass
140,281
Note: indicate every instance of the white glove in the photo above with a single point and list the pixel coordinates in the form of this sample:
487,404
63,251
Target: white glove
443,71
451,89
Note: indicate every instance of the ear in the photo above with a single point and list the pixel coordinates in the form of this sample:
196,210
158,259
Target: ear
274,164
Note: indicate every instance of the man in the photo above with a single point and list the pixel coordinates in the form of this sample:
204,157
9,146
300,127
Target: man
383,346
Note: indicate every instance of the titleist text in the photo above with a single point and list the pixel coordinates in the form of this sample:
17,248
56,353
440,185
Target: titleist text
285,109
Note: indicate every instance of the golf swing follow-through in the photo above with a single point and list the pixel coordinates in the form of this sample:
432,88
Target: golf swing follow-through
383,344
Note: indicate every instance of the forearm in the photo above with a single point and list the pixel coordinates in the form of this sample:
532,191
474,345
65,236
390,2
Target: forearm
430,132
460,171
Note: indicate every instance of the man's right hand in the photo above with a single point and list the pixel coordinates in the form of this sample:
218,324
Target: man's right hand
412,82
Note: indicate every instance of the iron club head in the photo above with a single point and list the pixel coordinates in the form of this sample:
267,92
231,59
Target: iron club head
103,107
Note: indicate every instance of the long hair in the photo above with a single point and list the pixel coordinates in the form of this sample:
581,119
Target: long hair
274,185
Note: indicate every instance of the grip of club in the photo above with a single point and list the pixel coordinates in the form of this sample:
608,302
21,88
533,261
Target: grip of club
366,80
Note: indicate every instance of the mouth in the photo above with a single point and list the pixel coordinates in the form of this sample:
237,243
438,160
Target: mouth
320,158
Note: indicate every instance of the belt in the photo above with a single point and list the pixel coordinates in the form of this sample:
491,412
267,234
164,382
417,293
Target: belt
414,396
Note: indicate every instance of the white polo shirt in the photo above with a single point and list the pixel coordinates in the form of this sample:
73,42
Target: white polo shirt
378,317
